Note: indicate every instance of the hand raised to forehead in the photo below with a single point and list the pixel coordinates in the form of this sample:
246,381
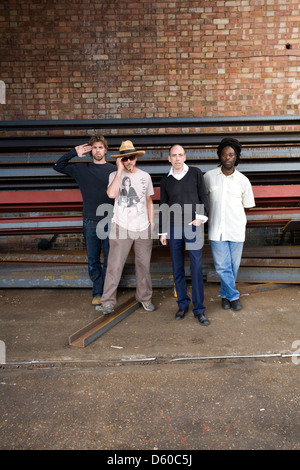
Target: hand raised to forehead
83,149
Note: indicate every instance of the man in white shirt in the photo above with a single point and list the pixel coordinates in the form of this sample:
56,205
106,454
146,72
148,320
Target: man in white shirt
230,193
131,188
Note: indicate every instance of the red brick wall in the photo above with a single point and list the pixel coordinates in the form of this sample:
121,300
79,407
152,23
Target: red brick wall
121,59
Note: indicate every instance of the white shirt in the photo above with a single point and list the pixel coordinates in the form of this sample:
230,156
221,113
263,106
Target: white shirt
228,198
179,176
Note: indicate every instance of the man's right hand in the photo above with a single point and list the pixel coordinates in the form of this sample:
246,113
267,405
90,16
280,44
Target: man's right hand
82,150
120,165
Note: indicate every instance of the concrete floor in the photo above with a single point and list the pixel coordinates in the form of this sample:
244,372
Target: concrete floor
151,382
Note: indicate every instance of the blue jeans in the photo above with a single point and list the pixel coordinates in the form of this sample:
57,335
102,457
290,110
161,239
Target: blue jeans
177,243
227,258
94,245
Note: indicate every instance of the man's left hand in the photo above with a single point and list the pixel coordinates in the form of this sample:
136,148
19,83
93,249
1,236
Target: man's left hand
196,222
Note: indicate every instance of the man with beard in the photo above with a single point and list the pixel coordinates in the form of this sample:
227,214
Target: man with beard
130,227
92,179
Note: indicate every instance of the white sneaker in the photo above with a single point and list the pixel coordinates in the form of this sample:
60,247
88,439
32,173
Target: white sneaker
108,309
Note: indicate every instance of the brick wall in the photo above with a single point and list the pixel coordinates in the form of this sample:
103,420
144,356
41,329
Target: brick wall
121,59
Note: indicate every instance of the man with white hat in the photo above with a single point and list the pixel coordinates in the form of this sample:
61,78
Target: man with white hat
131,189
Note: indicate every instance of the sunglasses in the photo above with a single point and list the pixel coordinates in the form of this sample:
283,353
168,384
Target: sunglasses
124,159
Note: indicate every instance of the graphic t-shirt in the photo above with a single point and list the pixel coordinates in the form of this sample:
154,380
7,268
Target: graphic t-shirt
130,208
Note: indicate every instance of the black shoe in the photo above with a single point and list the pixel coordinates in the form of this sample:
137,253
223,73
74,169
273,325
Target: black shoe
236,305
226,304
202,319
181,312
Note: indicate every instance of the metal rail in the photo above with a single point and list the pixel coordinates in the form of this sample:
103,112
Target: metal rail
268,157
151,122
151,140
98,327
47,269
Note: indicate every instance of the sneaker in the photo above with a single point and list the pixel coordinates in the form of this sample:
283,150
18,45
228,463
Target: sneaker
148,306
236,305
226,305
96,300
108,309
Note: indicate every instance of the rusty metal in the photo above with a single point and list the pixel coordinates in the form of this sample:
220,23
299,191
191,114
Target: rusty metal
268,158
47,200
273,208
272,217
45,257
151,122
197,139
160,255
279,194
262,274
271,262
38,160
254,288
275,265
41,224
49,276
71,199
102,324
292,226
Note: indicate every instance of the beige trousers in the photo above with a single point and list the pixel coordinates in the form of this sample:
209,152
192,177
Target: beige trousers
120,245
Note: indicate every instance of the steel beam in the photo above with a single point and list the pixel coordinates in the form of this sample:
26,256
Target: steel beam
63,223
253,274
150,122
159,155
101,325
69,276
148,140
76,276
